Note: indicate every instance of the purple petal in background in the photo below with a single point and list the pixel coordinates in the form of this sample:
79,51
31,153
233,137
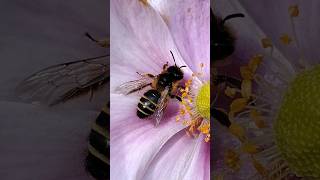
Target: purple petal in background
189,24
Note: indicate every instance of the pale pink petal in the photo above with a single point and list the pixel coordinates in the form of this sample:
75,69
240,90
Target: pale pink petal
190,157
135,142
140,41
189,24
38,142
273,18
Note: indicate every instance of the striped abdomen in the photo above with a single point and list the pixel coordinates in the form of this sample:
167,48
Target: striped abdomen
97,161
148,103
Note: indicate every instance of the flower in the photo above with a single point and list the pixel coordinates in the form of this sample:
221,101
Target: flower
276,105
142,35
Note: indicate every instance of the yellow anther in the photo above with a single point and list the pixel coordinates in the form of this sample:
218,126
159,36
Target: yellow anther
177,118
285,39
183,95
237,131
254,62
196,106
182,112
266,43
250,148
144,2
246,72
204,128
238,105
207,139
294,11
246,88
259,167
257,118
230,92
232,159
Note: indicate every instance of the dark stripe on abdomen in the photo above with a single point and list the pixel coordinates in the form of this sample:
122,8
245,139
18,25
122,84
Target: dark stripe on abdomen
103,120
147,103
99,142
97,168
97,160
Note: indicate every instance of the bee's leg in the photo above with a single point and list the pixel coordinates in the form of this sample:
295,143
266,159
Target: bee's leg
147,74
102,43
165,66
220,116
177,97
234,82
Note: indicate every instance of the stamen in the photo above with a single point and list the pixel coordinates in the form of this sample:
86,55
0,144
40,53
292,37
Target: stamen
232,159
195,106
266,43
285,39
294,13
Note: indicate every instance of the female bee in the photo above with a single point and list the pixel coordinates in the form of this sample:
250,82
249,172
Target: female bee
222,46
154,101
60,83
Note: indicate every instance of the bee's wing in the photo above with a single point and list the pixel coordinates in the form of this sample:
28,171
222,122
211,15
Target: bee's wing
162,104
133,86
62,82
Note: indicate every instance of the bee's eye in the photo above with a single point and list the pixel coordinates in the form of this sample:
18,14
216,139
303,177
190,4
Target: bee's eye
178,75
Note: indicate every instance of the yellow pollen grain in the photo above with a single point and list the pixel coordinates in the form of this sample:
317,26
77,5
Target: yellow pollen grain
294,11
254,62
266,43
285,39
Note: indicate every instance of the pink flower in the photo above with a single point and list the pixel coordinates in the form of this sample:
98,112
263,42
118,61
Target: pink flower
277,128
142,35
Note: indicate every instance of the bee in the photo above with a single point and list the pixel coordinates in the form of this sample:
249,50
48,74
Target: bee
163,86
222,40
59,83
222,45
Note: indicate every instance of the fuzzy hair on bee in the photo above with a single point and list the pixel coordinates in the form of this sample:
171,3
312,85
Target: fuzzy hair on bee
60,83
163,86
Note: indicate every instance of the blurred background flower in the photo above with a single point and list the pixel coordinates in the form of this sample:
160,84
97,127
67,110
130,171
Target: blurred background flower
276,103
142,35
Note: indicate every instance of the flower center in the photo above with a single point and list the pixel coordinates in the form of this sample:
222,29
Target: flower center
297,127
203,101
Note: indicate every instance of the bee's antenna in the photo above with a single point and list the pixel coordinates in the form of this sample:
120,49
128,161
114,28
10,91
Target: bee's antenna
182,67
90,37
237,15
173,59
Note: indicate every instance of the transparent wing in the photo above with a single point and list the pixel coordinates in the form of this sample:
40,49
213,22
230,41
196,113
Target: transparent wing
162,104
62,82
133,86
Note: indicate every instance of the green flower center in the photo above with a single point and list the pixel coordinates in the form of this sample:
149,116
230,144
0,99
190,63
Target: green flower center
203,101
297,127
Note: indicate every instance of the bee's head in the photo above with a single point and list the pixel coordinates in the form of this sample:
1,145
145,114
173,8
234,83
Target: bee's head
175,71
223,43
